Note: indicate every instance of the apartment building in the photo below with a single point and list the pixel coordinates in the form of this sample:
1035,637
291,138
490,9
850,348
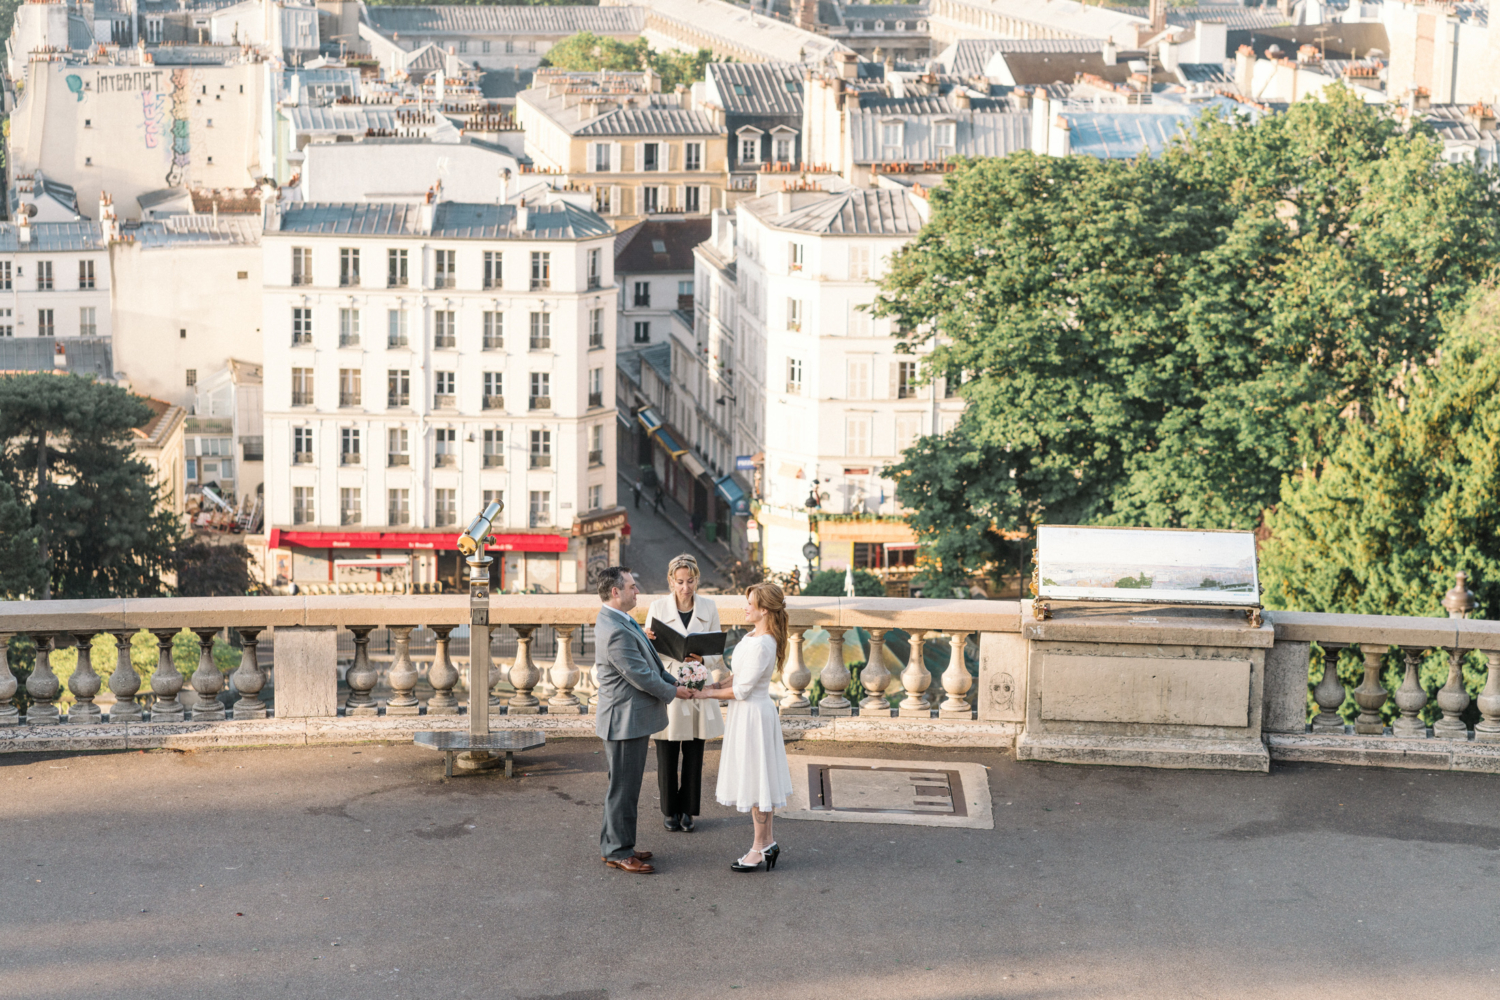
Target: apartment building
654,268
490,37
840,403
124,123
422,359
54,279
638,152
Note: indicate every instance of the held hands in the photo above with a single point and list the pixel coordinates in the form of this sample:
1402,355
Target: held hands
685,693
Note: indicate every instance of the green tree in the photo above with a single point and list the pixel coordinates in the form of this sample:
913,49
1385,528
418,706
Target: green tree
65,454
586,52
830,583
679,68
1409,496
1160,341
208,570
21,570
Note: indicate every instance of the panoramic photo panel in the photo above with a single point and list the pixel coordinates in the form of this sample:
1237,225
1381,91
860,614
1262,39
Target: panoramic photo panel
1147,564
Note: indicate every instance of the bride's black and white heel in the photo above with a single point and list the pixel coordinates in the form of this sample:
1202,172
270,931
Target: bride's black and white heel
768,856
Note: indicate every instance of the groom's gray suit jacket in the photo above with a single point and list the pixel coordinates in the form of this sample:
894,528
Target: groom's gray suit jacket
634,687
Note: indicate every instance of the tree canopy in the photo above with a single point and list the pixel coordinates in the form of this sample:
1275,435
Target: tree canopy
76,487
1408,497
586,51
1161,341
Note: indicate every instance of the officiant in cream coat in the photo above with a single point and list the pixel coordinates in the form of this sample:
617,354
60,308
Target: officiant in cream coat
689,722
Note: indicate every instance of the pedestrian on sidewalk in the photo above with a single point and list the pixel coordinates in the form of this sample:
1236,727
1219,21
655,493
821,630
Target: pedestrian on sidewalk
637,489
660,497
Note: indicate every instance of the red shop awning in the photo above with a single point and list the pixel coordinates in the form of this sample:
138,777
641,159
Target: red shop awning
443,540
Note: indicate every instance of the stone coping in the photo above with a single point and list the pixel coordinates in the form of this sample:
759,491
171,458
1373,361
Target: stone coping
1385,630
302,732
1385,751
453,609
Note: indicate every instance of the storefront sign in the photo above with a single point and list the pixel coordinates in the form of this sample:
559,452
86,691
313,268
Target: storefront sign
744,463
613,521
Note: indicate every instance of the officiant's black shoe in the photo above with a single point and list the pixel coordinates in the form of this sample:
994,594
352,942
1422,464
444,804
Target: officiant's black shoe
686,821
672,823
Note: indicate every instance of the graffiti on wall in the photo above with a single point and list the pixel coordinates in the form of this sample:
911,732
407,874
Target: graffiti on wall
181,145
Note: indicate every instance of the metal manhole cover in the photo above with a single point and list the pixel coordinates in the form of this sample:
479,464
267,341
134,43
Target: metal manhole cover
899,792
845,788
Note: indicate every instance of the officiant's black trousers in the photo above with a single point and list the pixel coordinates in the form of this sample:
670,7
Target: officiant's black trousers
679,794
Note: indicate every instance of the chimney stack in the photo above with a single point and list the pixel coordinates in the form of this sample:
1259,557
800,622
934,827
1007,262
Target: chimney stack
23,224
1111,54
1244,70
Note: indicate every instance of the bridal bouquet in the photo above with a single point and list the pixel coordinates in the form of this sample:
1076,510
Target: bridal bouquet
693,676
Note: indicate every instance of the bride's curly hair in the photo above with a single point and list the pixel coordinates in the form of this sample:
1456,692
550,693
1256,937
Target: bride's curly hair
769,598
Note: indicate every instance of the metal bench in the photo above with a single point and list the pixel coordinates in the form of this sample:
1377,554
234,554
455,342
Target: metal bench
453,743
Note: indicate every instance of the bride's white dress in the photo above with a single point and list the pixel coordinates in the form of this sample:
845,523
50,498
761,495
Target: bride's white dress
752,766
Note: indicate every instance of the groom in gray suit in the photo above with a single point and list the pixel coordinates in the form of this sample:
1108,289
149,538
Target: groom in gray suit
634,691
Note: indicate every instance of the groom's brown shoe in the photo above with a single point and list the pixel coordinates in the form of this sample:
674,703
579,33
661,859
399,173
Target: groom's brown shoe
633,865
638,855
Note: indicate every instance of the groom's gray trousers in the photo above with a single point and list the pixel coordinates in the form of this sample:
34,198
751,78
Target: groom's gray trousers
626,761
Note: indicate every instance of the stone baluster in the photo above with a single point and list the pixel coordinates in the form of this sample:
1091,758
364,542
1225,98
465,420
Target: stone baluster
165,680
544,689
42,687
524,675
1371,695
1452,699
835,677
1487,731
956,681
588,687
915,679
874,678
361,675
85,683
565,676
124,682
796,676
403,675
442,675
1411,698
208,680
1329,694
248,678
10,715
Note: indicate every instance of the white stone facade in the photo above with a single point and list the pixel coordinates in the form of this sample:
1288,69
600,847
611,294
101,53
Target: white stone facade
431,380
840,404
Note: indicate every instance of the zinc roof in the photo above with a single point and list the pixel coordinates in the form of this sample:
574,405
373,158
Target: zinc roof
48,237
976,133
771,88
650,121
968,57
1065,16
451,220
498,19
857,212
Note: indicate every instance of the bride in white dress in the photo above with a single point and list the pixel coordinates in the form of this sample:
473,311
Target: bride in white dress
753,772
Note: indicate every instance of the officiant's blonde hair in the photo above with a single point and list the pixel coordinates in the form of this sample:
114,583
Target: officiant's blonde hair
769,598
683,561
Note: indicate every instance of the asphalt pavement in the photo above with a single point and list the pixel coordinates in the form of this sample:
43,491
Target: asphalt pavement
656,538
358,872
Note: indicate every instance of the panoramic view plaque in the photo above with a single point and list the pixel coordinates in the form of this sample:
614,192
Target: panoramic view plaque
1159,565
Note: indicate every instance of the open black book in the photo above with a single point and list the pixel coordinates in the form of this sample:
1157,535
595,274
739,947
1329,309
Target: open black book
671,643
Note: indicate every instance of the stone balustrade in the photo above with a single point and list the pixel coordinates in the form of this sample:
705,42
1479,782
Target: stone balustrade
1155,687
301,634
